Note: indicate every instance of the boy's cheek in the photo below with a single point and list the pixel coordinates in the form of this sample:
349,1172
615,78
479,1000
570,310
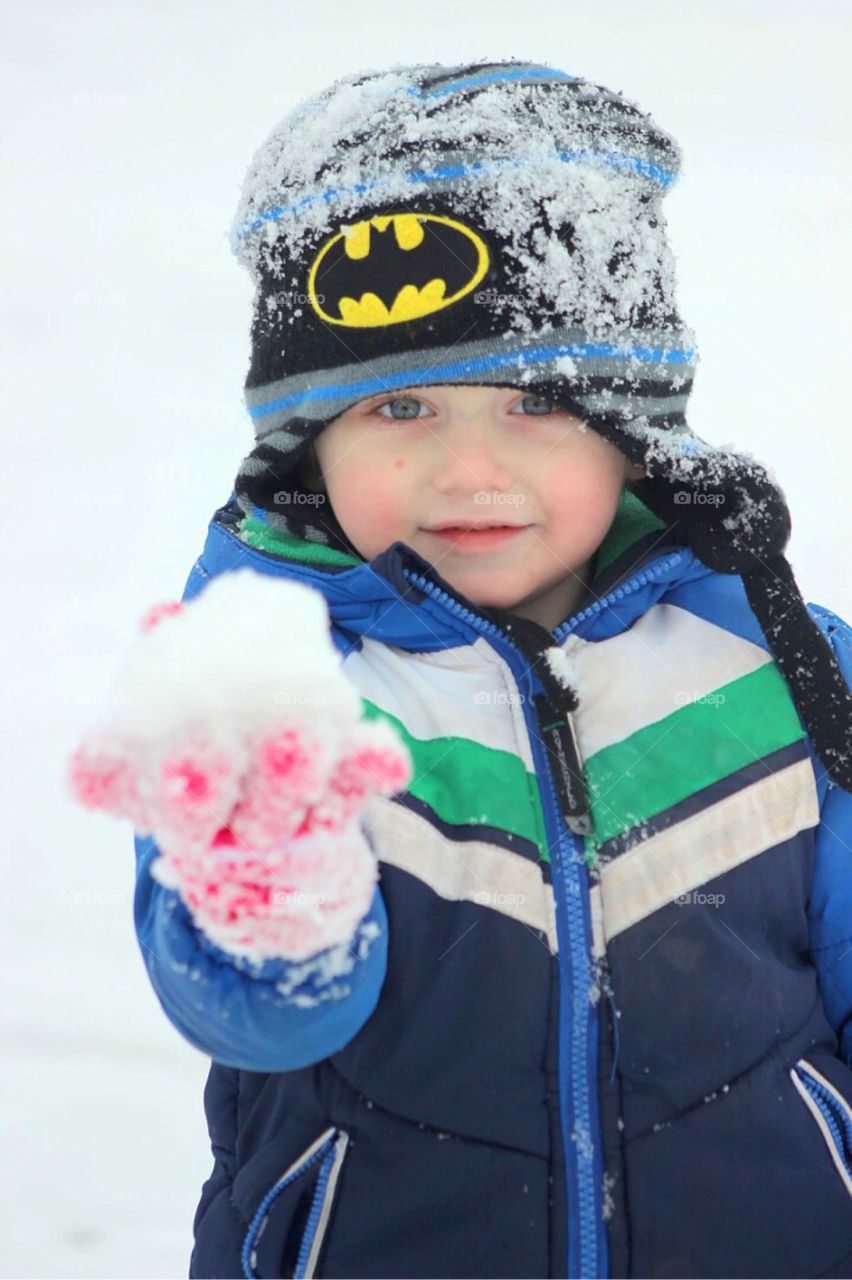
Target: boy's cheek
584,513
371,514
380,488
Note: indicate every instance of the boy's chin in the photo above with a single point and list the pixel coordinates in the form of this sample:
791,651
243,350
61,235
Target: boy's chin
498,594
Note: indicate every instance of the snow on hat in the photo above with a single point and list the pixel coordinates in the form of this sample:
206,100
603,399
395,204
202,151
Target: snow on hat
499,223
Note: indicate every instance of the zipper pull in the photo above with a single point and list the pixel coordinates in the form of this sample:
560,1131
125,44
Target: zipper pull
560,739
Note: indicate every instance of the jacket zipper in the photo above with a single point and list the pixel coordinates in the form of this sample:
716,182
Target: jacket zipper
318,1218
832,1114
580,1113
330,1148
560,739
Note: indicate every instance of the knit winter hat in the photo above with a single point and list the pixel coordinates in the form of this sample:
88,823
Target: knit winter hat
500,223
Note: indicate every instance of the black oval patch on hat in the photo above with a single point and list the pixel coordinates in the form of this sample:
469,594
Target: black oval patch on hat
394,267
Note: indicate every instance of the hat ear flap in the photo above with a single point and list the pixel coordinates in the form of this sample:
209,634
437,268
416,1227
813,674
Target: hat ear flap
733,522
310,471
274,464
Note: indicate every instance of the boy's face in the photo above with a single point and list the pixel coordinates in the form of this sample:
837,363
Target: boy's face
398,464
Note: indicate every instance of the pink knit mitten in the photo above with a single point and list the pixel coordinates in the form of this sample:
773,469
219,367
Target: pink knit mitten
237,742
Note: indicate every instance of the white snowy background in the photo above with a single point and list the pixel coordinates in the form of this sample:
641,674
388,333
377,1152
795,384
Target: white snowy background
127,128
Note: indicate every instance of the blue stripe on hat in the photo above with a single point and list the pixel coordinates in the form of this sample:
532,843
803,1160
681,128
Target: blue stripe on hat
532,73
444,172
412,377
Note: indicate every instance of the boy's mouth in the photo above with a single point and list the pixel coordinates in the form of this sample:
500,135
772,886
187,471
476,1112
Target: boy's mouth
444,525
471,537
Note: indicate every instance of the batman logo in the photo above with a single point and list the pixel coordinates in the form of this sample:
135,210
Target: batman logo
394,267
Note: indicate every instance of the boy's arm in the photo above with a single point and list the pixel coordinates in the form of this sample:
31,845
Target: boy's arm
255,943
830,902
276,1016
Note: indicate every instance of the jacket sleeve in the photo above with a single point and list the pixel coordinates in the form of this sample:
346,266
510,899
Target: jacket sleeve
275,1016
830,902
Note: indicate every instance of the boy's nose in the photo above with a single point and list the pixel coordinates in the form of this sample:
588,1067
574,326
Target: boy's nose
469,457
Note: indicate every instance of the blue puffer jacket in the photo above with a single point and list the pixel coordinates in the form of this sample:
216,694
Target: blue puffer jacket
618,1048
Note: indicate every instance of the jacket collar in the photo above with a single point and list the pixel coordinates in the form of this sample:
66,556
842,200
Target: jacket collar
379,599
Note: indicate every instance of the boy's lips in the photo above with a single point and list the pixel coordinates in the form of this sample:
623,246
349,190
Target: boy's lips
476,537
472,524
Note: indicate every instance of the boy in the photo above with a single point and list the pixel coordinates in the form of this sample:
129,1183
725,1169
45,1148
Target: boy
607,1027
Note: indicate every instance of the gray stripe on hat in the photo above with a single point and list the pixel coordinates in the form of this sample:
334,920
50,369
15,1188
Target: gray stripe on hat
322,394
642,147
514,73
599,402
591,96
643,154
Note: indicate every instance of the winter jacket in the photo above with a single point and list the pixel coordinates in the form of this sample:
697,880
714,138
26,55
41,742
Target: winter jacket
548,1053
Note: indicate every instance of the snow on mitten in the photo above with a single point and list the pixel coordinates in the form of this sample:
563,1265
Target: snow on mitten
237,742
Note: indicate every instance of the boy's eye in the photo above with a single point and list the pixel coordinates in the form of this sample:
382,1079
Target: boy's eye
535,405
401,407
404,408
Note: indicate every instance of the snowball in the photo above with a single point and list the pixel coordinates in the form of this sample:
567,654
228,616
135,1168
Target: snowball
250,651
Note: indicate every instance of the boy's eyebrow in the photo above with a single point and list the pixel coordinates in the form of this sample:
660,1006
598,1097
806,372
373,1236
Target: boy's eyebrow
398,392
395,391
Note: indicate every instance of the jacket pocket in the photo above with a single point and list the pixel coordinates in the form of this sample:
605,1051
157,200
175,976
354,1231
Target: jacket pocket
831,1112
327,1152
